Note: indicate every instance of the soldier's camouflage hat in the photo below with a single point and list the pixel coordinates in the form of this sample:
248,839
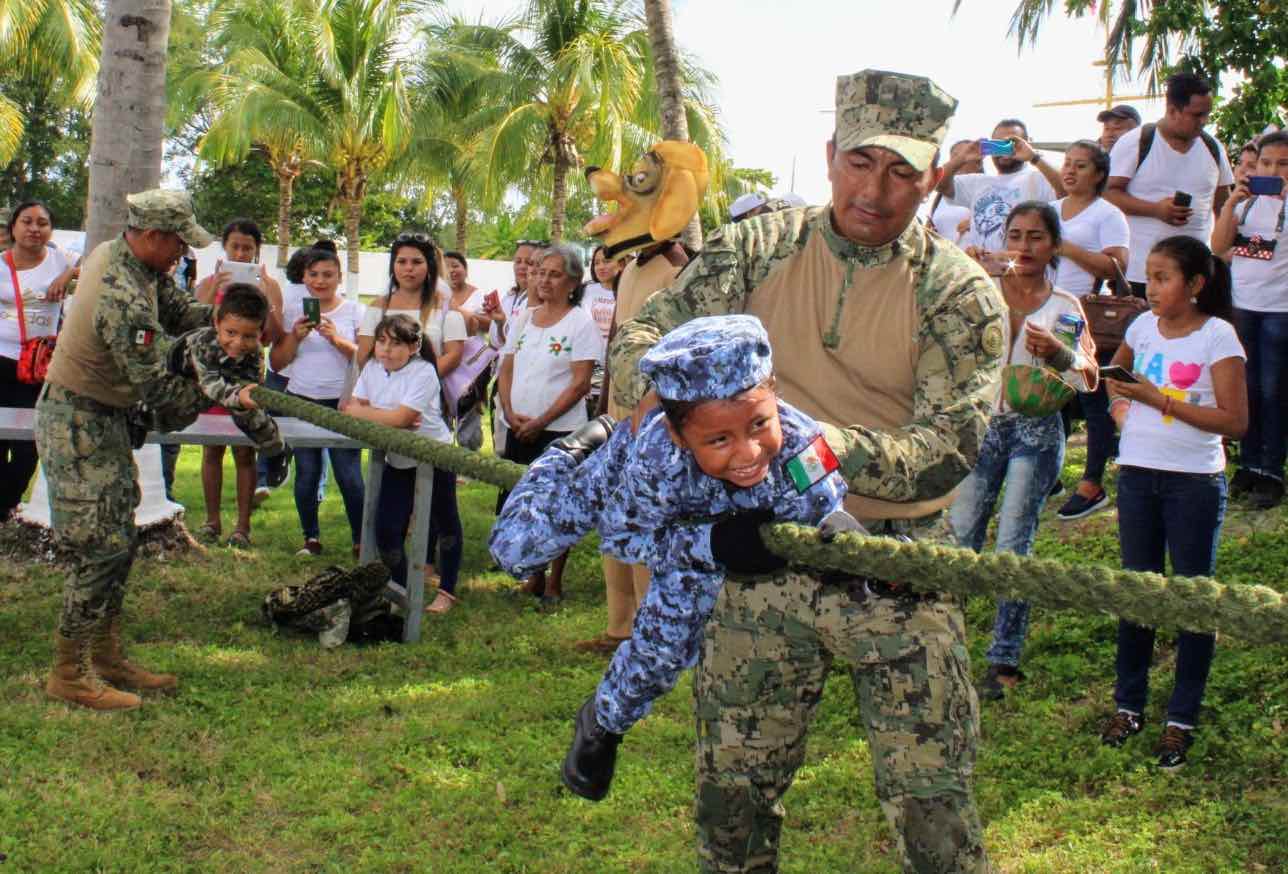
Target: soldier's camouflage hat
905,114
709,358
162,209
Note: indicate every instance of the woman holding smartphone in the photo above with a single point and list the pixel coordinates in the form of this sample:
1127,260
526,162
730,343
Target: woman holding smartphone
1023,451
321,342
1189,392
1250,234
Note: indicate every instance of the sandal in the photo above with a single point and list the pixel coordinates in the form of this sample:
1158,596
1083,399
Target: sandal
443,602
209,533
239,540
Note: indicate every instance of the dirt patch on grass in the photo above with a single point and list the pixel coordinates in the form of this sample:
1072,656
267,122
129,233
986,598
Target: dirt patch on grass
27,543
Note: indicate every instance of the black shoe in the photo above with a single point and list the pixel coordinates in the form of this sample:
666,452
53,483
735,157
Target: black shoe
278,468
1056,490
999,680
1172,747
1242,482
1266,493
588,767
1119,728
1077,506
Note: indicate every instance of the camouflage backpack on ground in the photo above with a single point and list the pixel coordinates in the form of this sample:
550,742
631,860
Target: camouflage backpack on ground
1034,391
325,603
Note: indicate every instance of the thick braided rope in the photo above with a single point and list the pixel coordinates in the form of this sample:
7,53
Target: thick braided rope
1256,614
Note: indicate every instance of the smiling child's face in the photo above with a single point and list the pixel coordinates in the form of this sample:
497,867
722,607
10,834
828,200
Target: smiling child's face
734,440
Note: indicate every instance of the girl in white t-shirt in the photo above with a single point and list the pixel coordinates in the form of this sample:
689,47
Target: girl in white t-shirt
1023,450
1188,393
43,273
319,354
398,387
1250,232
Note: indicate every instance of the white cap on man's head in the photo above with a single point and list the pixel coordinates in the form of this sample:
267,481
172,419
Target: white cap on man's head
746,203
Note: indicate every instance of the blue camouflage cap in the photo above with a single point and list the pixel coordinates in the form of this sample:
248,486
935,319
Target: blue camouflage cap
709,358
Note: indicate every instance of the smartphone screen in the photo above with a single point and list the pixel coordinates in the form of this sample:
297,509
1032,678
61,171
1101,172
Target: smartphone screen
996,147
1119,373
1182,198
491,300
241,272
1268,185
312,310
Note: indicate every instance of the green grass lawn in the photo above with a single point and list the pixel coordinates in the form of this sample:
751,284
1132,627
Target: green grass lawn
443,756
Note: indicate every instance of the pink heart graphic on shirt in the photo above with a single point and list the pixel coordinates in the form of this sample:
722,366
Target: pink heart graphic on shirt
1184,375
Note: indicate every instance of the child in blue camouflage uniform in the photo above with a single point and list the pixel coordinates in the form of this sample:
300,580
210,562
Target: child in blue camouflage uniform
226,361
683,496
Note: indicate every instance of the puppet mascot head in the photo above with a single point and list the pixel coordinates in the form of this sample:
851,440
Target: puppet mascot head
656,198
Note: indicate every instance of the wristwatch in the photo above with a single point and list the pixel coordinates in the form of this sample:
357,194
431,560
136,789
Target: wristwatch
1036,159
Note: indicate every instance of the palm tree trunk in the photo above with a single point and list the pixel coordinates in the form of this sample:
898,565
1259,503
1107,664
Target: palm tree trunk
559,199
352,218
462,220
675,124
125,144
285,194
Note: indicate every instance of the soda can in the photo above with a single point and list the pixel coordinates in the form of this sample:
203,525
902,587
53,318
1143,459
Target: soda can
1069,329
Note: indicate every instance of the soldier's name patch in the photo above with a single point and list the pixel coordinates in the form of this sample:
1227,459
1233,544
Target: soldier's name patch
143,337
811,464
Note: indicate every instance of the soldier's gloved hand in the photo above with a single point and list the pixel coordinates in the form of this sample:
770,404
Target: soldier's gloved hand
138,422
736,544
838,522
587,438
177,360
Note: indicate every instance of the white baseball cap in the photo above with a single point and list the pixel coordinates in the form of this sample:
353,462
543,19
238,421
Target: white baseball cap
746,203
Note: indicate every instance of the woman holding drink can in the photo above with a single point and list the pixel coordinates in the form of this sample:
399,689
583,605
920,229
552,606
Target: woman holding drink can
1051,356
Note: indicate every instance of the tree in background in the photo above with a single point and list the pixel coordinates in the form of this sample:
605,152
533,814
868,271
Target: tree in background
1248,37
52,160
336,92
49,50
666,72
129,112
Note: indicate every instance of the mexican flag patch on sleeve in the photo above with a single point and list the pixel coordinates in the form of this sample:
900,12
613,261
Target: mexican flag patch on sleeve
812,464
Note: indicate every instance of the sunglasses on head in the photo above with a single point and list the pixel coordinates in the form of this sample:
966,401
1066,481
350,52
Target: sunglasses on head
413,237
540,244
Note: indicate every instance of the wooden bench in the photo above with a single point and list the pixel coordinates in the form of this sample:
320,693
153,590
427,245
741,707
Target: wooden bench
18,424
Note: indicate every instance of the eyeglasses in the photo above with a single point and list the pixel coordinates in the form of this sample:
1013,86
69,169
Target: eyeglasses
413,237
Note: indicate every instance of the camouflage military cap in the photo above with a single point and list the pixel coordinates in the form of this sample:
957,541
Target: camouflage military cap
905,114
162,209
709,358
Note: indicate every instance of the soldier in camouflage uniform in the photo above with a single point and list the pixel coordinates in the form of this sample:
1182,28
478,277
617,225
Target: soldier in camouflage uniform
656,505
226,360
111,355
893,339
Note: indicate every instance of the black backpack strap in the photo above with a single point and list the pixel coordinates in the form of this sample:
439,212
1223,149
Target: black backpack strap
1213,148
1147,132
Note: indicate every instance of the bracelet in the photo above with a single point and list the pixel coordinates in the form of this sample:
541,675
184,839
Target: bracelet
1167,405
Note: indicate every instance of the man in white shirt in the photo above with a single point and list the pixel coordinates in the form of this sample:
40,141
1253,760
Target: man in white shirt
1023,175
950,221
1169,178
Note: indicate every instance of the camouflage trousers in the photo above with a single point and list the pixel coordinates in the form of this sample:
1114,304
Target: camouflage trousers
93,491
767,650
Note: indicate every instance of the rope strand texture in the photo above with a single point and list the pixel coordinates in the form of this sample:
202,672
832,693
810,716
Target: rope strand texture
1256,614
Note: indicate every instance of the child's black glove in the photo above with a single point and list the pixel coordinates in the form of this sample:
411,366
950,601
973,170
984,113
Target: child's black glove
736,544
587,438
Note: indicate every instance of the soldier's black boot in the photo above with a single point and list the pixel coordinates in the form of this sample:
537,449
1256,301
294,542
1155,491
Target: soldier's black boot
588,767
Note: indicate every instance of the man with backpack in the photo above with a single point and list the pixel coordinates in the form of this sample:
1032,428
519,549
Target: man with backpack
1170,177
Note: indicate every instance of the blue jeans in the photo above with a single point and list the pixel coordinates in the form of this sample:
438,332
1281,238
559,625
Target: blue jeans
1265,339
347,465
397,501
1178,515
1102,436
1025,455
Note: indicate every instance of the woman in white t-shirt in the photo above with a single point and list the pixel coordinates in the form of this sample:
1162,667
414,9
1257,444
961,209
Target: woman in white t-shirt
600,303
399,387
1250,232
1188,393
1023,451
545,374
1093,251
413,291
43,273
320,354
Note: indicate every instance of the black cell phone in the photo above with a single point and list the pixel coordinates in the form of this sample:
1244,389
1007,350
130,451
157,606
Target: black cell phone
1119,373
312,310
1272,186
1182,198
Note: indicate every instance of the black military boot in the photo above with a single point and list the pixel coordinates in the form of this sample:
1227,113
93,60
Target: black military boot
588,767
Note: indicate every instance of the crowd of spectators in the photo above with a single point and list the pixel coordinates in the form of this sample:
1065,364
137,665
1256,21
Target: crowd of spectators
1152,211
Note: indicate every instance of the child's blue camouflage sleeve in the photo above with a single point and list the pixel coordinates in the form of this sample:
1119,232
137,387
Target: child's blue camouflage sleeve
655,512
555,504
